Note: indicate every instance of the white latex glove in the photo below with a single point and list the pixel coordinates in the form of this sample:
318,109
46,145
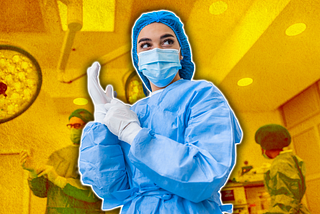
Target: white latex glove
98,96
122,121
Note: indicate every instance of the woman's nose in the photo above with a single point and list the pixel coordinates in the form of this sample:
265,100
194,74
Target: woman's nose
156,46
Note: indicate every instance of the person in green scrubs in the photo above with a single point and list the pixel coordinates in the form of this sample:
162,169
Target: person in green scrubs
59,180
285,180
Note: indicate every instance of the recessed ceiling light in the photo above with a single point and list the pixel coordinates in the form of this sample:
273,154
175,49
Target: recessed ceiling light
80,101
218,7
245,81
296,29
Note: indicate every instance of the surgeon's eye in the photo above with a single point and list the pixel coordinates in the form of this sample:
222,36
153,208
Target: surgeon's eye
168,42
145,45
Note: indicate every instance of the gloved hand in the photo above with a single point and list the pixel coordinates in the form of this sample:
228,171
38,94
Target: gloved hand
122,121
27,163
98,96
50,173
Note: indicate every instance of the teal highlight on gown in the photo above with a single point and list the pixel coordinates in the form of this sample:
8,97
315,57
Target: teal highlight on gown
177,163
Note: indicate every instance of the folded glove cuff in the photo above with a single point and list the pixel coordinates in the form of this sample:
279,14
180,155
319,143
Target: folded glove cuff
130,132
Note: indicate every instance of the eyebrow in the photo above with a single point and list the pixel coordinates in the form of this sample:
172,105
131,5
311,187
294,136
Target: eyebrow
166,35
144,39
161,37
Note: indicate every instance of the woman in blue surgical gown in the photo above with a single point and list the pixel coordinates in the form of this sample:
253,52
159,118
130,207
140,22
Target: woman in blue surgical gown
170,152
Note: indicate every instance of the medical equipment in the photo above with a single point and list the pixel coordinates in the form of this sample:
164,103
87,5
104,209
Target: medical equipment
20,81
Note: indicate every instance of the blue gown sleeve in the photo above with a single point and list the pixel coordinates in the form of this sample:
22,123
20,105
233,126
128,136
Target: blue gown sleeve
102,165
198,167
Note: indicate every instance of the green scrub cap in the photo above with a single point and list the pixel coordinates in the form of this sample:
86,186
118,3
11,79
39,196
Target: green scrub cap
273,136
83,114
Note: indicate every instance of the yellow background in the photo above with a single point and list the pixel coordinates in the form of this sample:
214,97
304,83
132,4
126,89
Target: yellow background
247,40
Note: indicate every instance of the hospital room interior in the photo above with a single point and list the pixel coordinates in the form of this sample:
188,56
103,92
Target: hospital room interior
264,56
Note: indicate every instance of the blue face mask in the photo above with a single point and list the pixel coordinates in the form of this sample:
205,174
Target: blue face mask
160,66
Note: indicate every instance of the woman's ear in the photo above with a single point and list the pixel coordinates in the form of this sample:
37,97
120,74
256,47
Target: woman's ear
181,57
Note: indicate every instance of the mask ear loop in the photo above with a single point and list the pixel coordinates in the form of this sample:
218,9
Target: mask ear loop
181,57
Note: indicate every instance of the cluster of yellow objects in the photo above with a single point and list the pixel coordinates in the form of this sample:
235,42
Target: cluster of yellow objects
135,90
21,78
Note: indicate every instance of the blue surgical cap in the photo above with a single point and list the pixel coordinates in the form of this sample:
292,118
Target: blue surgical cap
172,21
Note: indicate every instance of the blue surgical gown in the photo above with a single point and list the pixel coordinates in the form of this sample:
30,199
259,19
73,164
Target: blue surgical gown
177,163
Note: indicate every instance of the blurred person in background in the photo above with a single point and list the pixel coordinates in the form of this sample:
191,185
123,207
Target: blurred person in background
58,180
285,180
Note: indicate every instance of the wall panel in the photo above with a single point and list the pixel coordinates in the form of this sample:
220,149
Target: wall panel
13,184
302,107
